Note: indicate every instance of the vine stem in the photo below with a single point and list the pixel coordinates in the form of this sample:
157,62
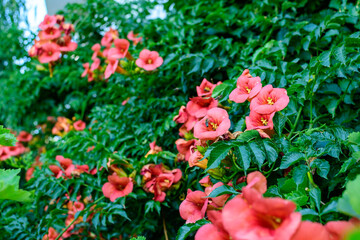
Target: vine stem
75,218
296,122
164,226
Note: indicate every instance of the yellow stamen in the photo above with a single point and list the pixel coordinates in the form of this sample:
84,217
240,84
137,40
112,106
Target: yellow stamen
207,89
264,121
270,101
248,89
214,125
149,61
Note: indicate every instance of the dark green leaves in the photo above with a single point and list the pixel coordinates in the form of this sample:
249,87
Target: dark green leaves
291,158
189,228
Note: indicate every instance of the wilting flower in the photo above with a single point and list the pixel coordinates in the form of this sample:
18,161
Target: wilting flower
65,44
62,126
111,67
133,37
247,87
59,19
67,28
24,137
158,180
194,206
195,159
120,50
214,124
49,21
149,60
109,37
51,235
50,52
206,88
269,100
88,71
153,149
184,146
198,106
49,33
79,125
117,187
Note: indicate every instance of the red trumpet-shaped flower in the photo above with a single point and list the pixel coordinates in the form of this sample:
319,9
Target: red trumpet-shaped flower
269,100
120,50
133,37
149,60
194,206
247,87
49,21
206,88
50,52
117,187
214,124
198,106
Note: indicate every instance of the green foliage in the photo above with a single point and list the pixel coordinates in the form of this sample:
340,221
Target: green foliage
6,138
350,201
9,186
310,48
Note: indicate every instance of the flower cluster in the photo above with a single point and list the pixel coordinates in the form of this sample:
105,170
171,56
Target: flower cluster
251,216
202,120
54,39
113,51
63,125
264,102
67,169
158,179
18,149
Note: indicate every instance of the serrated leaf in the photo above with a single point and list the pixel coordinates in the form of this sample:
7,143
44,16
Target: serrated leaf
354,138
291,158
7,139
315,195
216,153
324,58
248,135
340,54
258,153
9,186
322,167
279,123
243,157
299,174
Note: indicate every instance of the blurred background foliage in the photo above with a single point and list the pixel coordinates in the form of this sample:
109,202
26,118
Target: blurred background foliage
311,48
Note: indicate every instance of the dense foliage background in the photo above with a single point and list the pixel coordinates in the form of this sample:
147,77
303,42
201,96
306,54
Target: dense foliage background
310,48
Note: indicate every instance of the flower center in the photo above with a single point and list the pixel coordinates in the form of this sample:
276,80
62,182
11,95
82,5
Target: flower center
149,61
50,53
122,50
270,101
214,126
264,121
248,89
51,33
207,89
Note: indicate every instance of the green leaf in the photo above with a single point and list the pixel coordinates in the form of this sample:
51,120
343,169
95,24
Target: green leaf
349,203
216,153
9,186
247,136
290,158
270,150
243,157
322,167
324,58
279,122
6,138
339,54
299,174
224,189
189,228
353,235
354,138
258,153
315,195
297,197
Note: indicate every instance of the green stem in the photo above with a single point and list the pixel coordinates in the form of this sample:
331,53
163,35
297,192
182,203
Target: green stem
296,122
75,218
